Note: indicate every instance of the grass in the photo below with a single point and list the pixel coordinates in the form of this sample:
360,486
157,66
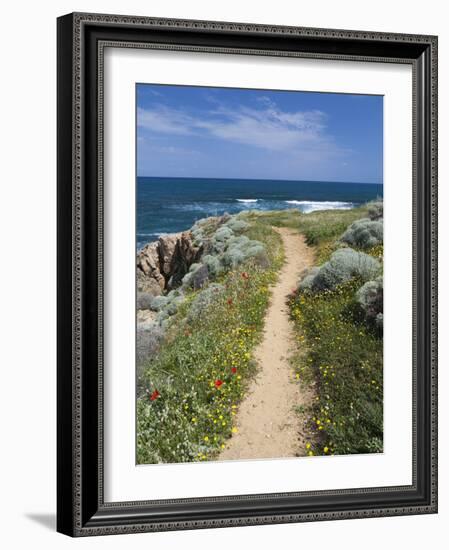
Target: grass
194,386
321,229
344,357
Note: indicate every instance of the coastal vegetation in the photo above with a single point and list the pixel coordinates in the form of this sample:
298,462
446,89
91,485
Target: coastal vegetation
190,388
198,332
338,314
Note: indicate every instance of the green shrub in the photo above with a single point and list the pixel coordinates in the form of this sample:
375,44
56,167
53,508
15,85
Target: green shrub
364,233
344,264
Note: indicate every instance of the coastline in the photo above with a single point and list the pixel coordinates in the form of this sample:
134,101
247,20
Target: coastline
171,205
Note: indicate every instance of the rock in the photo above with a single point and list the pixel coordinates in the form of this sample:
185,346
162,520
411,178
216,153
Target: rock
143,300
148,264
200,277
147,284
145,317
184,255
167,245
162,265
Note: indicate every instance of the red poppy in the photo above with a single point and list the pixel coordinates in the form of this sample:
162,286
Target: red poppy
154,395
234,370
229,301
245,275
218,383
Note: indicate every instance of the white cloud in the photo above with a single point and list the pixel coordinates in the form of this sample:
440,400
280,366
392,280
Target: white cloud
267,127
164,120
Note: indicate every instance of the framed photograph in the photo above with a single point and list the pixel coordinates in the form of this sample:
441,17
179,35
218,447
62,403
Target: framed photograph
247,274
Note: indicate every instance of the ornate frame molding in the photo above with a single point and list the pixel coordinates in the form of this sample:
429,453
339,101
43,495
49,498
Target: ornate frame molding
81,510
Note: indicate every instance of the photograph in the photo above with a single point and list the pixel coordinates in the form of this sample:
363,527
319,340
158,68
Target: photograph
259,274
246,273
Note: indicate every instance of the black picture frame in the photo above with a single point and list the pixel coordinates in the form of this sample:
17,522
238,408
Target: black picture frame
81,510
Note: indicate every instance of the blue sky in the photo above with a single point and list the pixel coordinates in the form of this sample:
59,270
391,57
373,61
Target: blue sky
188,131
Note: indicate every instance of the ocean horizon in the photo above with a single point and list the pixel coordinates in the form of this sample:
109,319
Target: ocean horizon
170,205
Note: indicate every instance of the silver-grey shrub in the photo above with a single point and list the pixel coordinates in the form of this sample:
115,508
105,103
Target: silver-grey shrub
197,235
370,297
213,265
240,249
158,303
344,265
174,299
239,242
233,257
204,300
254,250
307,282
148,341
376,210
144,300
364,233
172,307
200,277
223,234
187,280
197,277
237,225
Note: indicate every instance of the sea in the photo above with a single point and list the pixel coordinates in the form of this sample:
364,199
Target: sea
170,205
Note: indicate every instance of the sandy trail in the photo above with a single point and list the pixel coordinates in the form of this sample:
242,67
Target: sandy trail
267,424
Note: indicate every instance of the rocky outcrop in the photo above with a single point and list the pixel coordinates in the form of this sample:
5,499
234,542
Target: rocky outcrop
161,265
149,276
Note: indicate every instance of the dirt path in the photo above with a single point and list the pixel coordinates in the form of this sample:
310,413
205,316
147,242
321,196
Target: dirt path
267,425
